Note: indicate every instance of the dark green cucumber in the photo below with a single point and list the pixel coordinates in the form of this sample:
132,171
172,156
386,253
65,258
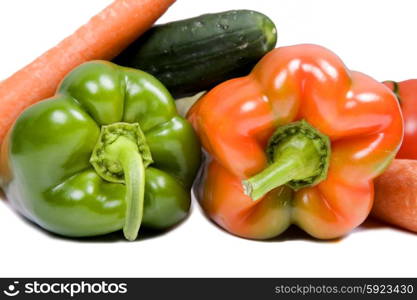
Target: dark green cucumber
193,55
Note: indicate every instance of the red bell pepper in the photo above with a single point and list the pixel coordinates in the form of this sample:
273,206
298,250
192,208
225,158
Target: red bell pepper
406,92
298,141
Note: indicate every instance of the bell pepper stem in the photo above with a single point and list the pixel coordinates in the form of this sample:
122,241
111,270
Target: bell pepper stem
299,157
276,174
134,172
121,155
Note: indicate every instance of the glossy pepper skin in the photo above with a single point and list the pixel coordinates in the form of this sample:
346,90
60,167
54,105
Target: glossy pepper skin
331,131
107,152
406,92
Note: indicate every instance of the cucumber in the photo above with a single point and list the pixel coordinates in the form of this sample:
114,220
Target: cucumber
193,55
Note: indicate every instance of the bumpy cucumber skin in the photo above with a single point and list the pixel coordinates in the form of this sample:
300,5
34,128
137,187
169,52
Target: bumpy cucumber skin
193,55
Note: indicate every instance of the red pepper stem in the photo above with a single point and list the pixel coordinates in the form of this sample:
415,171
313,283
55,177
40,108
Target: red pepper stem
299,157
275,175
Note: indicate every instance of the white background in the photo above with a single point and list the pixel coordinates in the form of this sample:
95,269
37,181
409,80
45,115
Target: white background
375,37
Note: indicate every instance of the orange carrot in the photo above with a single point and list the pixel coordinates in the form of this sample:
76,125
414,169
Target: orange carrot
103,37
396,195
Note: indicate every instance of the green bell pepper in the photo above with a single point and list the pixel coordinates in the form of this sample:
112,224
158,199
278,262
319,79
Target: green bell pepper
107,152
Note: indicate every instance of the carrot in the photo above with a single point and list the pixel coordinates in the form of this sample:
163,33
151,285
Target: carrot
396,195
103,37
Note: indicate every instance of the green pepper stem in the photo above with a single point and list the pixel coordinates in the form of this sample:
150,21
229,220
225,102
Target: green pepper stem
299,157
121,156
134,172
